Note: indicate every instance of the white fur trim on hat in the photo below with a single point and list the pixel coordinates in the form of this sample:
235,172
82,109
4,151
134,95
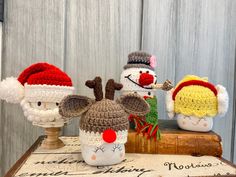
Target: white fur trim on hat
11,90
223,100
95,139
170,103
46,93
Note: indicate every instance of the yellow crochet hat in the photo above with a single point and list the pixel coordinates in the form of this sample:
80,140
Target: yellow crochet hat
195,96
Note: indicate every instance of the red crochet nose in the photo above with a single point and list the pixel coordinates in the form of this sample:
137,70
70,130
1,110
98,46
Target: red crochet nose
145,79
109,136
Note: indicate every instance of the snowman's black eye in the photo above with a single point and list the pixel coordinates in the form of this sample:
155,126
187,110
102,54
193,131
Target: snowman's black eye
147,71
149,93
140,72
39,103
57,104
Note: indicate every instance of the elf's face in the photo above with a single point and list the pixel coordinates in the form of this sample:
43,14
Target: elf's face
138,80
106,154
194,123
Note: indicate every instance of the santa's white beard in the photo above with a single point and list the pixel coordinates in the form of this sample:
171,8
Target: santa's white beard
45,118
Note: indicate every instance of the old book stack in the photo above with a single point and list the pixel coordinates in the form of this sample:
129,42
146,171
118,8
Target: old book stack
175,141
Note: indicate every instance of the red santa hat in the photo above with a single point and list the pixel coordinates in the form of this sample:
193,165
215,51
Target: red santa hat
39,82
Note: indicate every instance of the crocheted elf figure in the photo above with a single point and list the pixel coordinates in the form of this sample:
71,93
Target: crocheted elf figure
104,122
196,101
39,90
139,77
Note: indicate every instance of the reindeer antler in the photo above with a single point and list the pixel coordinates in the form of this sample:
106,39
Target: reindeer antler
111,86
96,84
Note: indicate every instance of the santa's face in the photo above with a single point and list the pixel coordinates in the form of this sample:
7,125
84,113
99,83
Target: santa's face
44,105
138,80
106,154
43,114
194,123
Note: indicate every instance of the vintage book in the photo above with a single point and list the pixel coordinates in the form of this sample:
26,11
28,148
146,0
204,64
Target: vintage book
67,161
175,141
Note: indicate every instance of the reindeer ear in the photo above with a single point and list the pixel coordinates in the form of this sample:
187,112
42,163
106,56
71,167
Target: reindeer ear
134,104
74,105
223,100
170,103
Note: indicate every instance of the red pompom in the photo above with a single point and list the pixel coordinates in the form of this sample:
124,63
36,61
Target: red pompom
109,136
146,79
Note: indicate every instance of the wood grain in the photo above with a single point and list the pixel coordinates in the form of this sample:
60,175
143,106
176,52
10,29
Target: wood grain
89,38
100,35
15,168
175,141
206,43
194,37
159,38
33,31
12,171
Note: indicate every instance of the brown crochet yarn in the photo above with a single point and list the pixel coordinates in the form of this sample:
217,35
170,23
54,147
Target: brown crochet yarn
103,115
74,105
111,86
96,84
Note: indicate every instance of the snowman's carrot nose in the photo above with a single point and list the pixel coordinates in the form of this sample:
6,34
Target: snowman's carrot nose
109,135
146,79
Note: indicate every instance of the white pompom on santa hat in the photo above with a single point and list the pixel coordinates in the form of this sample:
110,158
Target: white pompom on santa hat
40,81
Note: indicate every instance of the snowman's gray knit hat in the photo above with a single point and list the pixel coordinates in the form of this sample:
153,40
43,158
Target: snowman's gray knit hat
140,59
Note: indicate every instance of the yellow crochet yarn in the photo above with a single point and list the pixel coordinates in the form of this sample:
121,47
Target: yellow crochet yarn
195,100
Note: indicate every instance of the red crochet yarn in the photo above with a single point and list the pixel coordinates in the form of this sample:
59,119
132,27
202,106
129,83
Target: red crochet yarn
194,82
44,73
145,79
109,136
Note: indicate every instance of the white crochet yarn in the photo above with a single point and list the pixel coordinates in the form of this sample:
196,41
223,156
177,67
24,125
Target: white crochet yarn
11,90
46,93
131,75
170,103
193,123
95,151
95,139
38,115
223,100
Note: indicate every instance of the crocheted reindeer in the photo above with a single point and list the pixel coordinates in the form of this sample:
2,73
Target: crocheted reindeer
104,122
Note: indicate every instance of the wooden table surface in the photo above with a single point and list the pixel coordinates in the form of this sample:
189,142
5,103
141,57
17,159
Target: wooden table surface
35,154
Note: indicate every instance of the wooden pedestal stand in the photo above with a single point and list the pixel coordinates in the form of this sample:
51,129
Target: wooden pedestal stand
52,141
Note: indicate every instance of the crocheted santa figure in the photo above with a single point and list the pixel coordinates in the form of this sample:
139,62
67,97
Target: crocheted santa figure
104,122
39,90
139,77
195,101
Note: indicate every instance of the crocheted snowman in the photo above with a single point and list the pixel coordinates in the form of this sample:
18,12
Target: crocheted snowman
39,90
195,101
104,122
139,77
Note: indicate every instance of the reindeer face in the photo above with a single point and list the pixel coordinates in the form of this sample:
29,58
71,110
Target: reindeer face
106,154
104,122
